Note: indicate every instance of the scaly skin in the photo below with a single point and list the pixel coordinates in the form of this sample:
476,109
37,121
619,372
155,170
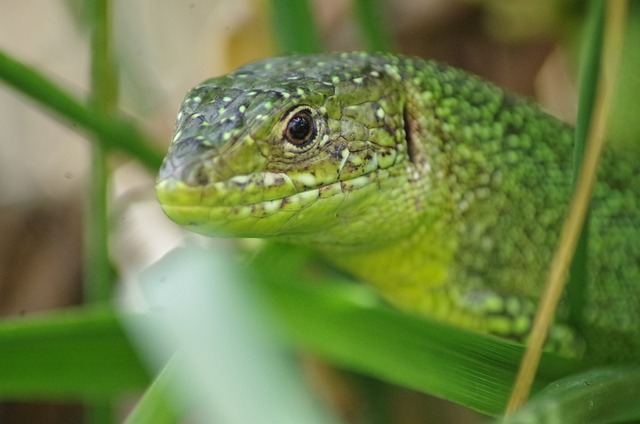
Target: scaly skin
441,190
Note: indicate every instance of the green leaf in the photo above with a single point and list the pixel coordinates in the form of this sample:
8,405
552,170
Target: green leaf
104,92
156,405
589,74
112,131
373,25
348,325
76,353
604,395
294,26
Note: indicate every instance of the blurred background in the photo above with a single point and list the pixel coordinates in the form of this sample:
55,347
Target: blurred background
165,48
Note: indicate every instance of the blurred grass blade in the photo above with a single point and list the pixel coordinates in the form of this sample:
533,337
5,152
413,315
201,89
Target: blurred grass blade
373,27
294,26
98,275
156,405
608,395
231,368
347,324
588,81
112,131
78,353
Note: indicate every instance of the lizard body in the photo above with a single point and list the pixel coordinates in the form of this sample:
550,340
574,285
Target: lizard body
444,192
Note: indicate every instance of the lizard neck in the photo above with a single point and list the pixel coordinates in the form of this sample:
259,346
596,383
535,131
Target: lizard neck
410,273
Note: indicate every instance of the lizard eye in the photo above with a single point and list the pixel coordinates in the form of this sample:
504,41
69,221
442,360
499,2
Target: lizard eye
300,128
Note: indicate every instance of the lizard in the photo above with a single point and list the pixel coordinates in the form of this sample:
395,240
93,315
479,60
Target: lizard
443,191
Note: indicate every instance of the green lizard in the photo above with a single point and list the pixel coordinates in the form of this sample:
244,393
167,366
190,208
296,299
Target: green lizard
441,190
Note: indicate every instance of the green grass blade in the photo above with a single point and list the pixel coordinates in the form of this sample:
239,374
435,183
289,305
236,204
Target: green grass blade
373,27
348,325
294,26
104,100
98,274
608,395
588,81
156,405
588,78
75,354
113,131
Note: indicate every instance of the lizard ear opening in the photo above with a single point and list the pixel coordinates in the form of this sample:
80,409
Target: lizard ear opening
410,129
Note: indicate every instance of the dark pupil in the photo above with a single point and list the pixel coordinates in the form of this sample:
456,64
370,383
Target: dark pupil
300,128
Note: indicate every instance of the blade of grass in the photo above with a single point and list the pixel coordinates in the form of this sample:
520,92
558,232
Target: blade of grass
294,26
608,395
66,352
348,325
98,283
156,405
614,30
103,100
79,353
375,34
587,80
113,131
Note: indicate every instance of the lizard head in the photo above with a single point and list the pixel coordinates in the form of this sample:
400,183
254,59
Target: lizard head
309,149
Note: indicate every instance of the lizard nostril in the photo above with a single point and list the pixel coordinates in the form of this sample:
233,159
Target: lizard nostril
195,174
186,162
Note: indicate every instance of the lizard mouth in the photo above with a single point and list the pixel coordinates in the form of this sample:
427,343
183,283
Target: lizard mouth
261,193
248,205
